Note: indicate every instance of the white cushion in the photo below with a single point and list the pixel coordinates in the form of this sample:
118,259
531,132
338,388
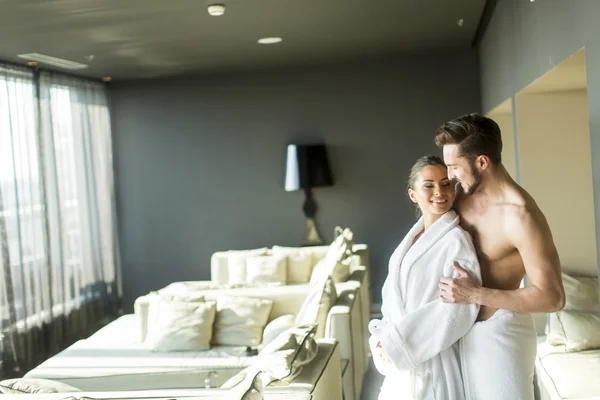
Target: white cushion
31,386
284,357
576,326
240,320
316,306
264,270
179,325
300,262
341,246
576,331
581,294
287,299
338,270
178,288
249,389
236,264
277,326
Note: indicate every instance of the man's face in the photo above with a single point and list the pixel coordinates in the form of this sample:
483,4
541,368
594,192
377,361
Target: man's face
461,169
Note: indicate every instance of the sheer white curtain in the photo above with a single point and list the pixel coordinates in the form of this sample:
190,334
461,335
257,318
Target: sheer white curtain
57,221
77,152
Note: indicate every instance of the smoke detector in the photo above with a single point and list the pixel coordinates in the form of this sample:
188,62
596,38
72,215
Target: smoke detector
216,9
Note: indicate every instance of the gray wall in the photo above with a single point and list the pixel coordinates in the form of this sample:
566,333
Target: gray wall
525,40
200,160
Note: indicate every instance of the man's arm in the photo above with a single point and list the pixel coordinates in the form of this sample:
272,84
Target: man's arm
532,238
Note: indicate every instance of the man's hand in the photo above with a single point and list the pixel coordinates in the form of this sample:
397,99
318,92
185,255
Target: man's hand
461,290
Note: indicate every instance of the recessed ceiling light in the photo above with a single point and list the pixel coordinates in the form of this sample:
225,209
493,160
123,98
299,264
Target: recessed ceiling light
270,40
106,79
460,22
57,62
216,10
32,63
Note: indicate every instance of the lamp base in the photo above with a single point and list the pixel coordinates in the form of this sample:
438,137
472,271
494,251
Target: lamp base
312,235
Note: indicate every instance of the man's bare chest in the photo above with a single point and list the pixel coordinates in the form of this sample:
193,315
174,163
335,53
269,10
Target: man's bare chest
487,228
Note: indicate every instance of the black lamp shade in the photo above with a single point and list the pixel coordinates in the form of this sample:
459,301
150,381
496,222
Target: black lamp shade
307,167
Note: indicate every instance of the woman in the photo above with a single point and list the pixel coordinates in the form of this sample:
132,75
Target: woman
415,343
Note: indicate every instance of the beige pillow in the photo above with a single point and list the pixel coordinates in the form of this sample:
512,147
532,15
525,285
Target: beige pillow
185,296
250,388
300,262
34,386
581,294
338,270
318,253
284,357
276,327
316,306
241,320
265,270
576,326
341,246
576,331
148,319
188,286
236,264
180,326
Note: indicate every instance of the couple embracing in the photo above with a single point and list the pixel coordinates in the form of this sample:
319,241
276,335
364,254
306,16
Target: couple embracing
455,322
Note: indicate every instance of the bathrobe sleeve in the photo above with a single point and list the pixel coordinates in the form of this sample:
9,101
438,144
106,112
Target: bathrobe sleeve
433,327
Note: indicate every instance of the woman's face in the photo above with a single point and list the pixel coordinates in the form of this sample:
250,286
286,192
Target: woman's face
433,191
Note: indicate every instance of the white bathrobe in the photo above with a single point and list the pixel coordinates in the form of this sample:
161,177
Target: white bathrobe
418,332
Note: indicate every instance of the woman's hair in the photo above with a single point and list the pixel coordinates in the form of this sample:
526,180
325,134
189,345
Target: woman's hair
421,163
416,169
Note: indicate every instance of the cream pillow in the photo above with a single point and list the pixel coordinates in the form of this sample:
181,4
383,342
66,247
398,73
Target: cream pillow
576,325
300,262
284,357
34,386
149,317
341,246
576,331
265,270
250,388
316,306
276,327
338,270
318,253
181,287
180,326
240,321
581,294
236,264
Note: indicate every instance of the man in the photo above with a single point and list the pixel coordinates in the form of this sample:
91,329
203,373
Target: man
512,239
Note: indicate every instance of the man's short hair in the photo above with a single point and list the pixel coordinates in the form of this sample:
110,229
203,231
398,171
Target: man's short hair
474,134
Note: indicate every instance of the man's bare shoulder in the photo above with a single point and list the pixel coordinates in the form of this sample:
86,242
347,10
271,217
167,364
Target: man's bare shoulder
521,210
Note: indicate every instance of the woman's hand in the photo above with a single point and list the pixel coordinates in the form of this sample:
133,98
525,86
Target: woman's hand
382,362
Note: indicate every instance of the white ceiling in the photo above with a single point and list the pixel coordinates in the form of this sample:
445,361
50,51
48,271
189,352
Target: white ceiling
151,38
